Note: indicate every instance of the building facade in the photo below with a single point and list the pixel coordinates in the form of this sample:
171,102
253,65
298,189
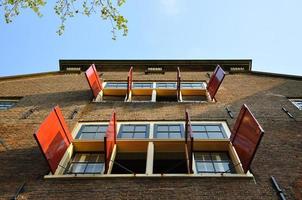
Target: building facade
151,129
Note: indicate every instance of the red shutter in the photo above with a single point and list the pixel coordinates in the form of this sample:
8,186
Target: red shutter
246,137
178,83
129,82
110,140
93,80
189,143
53,138
215,81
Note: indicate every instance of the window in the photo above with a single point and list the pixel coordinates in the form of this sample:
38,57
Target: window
134,131
140,152
172,131
86,163
165,85
202,131
115,85
213,162
129,163
92,132
191,85
169,163
297,103
7,104
142,85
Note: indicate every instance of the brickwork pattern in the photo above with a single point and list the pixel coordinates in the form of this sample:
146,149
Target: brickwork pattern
279,153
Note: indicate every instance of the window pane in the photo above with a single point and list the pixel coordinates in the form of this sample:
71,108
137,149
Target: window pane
196,85
215,135
205,167
203,156
185,85
94,168
171,85
166,85
126,135
77,168
89,128
198,128
116,85
174,128
162,135
139,128
200,135
95,158
87,136
142,85
162,128
139,135
81,157
175,135
220,156
213,128
128,128
102,128
4,105
100,136
222,167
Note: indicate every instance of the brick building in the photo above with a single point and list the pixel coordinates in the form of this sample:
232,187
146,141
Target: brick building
169,135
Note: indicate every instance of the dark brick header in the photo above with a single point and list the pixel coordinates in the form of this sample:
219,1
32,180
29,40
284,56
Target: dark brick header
168,65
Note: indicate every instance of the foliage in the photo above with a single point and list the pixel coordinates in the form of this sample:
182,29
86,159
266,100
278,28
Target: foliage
65,9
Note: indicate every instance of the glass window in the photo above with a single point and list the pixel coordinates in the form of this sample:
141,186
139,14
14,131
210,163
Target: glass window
213,162
134,131
86,163
168,131
165,85
191,85
297,103
5,104
142,85
205,131
115,85
91,132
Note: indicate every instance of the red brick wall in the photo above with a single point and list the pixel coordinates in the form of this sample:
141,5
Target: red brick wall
279,153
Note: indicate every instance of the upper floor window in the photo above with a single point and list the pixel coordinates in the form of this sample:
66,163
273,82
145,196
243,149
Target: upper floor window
92,132
213,162
208,131
297,103
142,85
166,85
115,85
134,131
7,104
192,85
168,131
86,163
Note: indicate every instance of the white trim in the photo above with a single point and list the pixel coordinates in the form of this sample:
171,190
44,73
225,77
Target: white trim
151,128
294,101
101,176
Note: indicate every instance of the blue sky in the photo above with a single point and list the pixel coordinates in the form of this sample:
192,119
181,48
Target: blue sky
269,32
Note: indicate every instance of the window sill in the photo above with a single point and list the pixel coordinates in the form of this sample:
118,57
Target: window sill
101,176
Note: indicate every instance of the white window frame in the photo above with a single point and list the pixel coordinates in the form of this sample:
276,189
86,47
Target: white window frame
154,89
12,101
150,153
294,101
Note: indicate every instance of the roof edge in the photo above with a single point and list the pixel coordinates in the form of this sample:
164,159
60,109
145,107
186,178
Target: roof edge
33,75
200,64
296,77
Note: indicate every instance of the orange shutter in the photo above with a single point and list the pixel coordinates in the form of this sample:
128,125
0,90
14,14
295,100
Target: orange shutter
53,138
215,81
93,80
246,137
